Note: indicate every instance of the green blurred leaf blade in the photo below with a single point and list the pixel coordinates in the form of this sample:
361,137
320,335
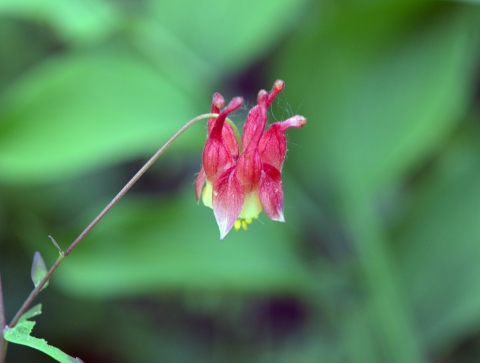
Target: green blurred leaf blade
228,34
81,22
75,114
145,246
437,244
390,82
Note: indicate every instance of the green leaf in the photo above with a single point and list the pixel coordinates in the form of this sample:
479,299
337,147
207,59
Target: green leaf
20,334
224,34
76,21
32,312
194,52
437,245
79,112
75,114
39,269
172,245
390,82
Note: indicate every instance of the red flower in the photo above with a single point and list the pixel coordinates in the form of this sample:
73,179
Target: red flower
239,184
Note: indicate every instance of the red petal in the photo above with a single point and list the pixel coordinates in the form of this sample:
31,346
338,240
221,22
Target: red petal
250,125
227,134
217,127
278,87
271,193
255,117
216,158
249,169
229,137
227,131
199,182
256,121
217,103
273,144
227,200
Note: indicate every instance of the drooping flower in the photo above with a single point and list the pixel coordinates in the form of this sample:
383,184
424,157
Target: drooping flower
241,182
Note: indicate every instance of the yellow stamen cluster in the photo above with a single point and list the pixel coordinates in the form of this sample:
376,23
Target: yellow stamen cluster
243,223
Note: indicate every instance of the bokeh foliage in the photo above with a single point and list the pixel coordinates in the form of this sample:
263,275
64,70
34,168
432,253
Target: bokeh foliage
380,256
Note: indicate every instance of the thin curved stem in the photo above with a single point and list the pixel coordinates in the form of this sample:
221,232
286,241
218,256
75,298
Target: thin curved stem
102,214
3,322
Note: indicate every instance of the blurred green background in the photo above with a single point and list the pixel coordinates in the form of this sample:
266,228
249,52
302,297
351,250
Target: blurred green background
379,260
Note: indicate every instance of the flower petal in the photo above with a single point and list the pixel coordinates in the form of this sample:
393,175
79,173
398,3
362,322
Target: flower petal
253,121
249,164
216,130
217,103
199,182
207,194
227,200
256,121
250,125
273,144
217,155
216,158
249,169
227,131
230,139
278,87
251,206
271,193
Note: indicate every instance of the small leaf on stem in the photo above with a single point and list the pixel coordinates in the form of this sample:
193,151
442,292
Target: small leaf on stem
20,334
39,269
30,313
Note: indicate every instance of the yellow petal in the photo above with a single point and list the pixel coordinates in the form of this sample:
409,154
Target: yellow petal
207,195
251,206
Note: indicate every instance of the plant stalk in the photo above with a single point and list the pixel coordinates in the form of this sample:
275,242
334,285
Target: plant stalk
102,214
3,323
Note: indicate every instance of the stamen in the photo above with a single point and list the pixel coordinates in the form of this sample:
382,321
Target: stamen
238,224
243,223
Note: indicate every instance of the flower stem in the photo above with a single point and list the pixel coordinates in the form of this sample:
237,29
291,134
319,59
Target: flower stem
114,201
3,322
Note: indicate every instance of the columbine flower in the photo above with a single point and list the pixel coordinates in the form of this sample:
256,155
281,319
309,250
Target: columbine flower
239,184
